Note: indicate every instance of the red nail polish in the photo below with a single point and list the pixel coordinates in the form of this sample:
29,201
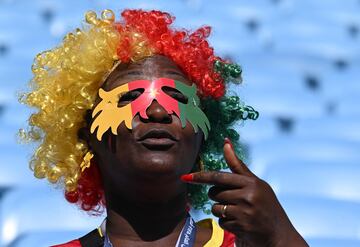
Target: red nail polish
227,141
187,177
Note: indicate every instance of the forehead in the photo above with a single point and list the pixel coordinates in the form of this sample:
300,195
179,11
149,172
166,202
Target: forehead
146,69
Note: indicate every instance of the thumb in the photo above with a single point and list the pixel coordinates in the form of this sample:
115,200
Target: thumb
235,164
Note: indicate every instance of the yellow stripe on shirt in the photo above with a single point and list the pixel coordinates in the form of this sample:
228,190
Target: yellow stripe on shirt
217,236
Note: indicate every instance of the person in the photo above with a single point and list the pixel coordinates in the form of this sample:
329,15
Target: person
133,119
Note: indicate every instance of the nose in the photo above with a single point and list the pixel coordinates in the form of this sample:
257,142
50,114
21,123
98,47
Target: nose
157,113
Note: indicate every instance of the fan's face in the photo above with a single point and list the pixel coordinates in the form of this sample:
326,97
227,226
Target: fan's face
157,149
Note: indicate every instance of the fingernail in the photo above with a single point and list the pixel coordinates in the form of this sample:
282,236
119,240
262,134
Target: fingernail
227,141
187,177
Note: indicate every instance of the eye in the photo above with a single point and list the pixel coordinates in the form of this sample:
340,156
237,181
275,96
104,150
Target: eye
175,94
130,96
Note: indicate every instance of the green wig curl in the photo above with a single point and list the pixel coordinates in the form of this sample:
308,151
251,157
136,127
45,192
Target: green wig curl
223,114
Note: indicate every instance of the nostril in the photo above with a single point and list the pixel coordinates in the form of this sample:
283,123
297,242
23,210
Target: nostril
157,113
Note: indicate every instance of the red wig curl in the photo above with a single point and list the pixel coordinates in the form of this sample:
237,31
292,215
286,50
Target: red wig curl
189,50
89,193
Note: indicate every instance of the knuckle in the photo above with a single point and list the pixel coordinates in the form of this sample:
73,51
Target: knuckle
265,184
216,176
259,184
262,183
200,176
255,181
215,210
251,197
250,213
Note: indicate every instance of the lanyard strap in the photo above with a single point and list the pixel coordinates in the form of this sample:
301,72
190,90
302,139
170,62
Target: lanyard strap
188,234
186,237
107,242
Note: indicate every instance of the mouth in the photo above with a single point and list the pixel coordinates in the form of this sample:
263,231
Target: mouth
158,139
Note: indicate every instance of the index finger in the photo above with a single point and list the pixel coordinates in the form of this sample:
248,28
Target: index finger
224,179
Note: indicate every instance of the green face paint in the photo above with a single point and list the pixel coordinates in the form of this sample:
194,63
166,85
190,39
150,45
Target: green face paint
191,111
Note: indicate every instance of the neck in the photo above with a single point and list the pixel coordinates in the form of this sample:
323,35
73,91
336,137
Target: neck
140,221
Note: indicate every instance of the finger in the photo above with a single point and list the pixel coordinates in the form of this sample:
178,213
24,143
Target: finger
235,164
226,196
231,226
223,179
224,211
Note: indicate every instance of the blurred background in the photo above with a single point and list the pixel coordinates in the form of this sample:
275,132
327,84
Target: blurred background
301,62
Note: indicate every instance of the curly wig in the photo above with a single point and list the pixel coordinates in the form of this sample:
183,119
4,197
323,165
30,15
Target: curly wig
67,78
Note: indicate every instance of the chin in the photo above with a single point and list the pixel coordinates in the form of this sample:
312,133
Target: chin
158,164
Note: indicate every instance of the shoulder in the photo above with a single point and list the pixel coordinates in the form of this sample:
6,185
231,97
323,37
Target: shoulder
219,237
92,239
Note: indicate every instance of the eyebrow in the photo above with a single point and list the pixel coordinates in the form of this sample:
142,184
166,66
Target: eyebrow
122,74
135,72
174,72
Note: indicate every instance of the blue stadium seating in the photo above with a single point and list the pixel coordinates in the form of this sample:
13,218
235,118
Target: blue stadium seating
301,72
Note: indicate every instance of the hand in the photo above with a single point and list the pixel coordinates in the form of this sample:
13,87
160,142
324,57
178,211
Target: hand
253,213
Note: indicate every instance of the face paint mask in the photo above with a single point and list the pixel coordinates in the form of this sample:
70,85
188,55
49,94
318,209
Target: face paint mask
108,114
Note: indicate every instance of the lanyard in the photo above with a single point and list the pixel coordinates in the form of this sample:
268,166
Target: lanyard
186,237
188,233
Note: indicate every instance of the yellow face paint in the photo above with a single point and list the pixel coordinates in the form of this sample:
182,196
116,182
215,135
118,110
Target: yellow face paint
108,114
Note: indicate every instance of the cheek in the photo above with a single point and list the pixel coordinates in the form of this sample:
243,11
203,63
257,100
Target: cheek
124,143
111,150
191,143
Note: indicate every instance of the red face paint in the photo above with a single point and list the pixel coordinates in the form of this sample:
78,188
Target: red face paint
153,90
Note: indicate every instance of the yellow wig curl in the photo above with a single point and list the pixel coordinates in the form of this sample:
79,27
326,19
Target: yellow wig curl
65,85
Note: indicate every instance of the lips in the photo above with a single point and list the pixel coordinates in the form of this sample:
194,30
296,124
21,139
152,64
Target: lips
157,139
